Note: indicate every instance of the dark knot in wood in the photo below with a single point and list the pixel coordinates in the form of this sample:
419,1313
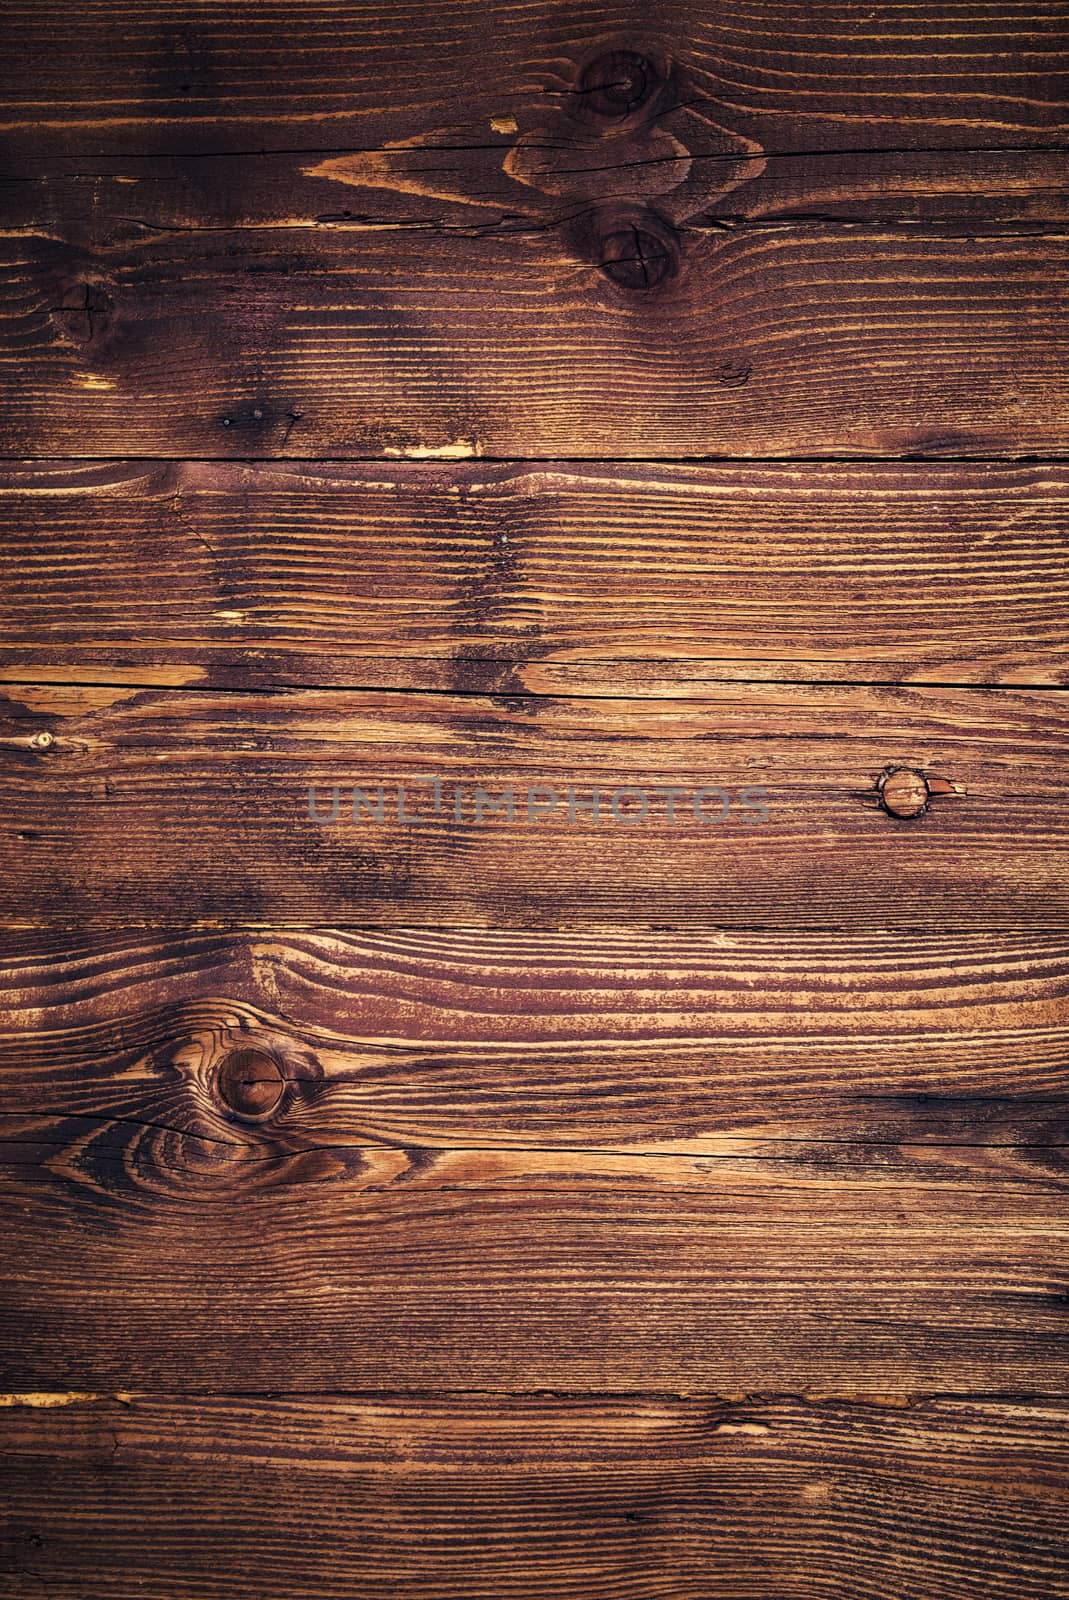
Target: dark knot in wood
637,254
250,1083
85,312
618,84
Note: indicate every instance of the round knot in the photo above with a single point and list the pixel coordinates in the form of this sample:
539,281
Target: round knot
904,792
250,1083
635,257
618,84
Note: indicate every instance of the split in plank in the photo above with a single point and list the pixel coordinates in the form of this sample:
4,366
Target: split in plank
487,189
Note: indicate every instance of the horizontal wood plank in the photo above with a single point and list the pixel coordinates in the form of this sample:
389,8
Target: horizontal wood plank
827,1164
639,1498
508,186
162,77
743,1044
603,579
814,340
129,806
128,1264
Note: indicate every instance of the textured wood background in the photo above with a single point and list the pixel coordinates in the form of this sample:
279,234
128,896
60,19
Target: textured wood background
663,396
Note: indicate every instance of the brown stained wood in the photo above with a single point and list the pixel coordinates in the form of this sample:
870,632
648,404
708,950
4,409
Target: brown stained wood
249,1083
523,1207
164,78
131,806
985,189
934,1054
641,1498
811,340
596,579
904,793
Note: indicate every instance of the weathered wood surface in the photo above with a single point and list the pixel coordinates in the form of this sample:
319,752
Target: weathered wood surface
253,304
817,339
800,1129
602,578
129,806
163,77
675,1045
542,1499
440,294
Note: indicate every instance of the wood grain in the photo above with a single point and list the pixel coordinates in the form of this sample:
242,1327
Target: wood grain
924,1048
814,340
853,1182
132,1264
509,185
159,77
507,1207
639,1498
131,806
595,579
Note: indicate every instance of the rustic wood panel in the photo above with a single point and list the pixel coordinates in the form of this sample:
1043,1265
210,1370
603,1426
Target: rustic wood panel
920,1048
641,1498
126,806
817,339
161,76
297,1217
641,581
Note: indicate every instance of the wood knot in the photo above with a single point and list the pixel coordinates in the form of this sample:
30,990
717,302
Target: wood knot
619,84
905,792
250,1083
635,248
85,312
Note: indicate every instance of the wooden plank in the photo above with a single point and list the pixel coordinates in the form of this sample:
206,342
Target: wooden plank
445,1198
127,806
138,1259
103,202
815,340
922,1048
599,579
162,77
699,1499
